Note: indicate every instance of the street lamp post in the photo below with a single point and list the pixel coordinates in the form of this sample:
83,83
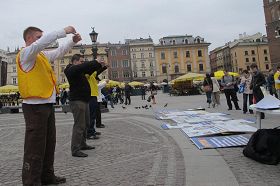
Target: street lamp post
93,36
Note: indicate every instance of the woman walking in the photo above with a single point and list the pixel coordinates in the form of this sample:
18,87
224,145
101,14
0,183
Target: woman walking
215,91
208,88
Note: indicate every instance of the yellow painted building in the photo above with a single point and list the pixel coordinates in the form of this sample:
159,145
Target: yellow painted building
245,54
178,55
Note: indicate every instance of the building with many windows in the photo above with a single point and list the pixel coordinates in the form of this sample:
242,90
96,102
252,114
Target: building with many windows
119,62
3,67
238,55
12,68
180,54
272,19
142,57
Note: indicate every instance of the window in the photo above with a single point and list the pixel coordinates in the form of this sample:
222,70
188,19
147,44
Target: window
189,67
266,66
125,63
162,55
143,64
247,59
14,69
186,41
115,74
152,73
246,53
176,68
151,64
14,81
187,53
164,69
133,56
174,42
265,51
265,58
199,53
200,67
253,52
144,74
235,54
142,55
150,55
126,74
135,74
254,59
62,61
175,54
114,64
124,52
113,52
62,69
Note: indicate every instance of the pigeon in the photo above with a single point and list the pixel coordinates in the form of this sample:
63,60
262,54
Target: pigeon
143,107
165,105
136,107
123,107
150,105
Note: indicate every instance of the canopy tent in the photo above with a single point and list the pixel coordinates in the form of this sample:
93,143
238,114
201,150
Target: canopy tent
8,89
189,76
64,85
219,74
136,83
113,83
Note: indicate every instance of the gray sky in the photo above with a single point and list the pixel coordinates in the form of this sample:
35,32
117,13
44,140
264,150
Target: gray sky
217,21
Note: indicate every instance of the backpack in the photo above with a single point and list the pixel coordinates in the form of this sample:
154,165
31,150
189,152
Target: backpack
264,146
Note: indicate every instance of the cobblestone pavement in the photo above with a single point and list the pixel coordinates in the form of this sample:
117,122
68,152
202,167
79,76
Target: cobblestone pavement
134,150
129,152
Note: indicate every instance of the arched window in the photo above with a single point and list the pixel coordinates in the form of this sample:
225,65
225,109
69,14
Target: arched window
164,69
186,41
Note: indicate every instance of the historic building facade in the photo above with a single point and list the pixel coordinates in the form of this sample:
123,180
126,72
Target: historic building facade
238,55
272,19
3,67
180,54
142,57
119,62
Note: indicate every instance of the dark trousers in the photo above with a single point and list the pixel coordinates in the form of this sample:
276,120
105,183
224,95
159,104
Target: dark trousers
98,115
127,99
245,102
208,96
257,92
39,143
231,96
143,96
80,111
92,108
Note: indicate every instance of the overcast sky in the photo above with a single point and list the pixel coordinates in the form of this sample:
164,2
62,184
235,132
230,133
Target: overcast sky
217,21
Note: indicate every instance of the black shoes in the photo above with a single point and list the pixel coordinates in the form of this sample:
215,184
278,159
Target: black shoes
238,108
87,147
93,137
55,181
79,154
230,109
101,126
97,133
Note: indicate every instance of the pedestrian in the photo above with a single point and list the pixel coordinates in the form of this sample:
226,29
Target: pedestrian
246,80
216,91
143,92
153,92
37,87
79,101
208,88
228,82
100,98
127,93
277,81
63,96
271,83
258,80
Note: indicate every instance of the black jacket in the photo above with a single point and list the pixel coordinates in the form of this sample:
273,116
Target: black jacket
79,86
258,80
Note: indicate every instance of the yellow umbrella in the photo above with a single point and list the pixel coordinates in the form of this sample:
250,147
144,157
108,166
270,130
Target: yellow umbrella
112,83
136,83
189,76
64,85
219,74
8,89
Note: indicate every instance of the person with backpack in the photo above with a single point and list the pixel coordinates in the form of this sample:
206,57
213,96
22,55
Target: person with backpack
228,83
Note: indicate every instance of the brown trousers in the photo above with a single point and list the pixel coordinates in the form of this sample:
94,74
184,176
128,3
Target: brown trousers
39,144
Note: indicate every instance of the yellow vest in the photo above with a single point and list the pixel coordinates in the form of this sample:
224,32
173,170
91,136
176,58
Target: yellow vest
276,77
93,84
39,81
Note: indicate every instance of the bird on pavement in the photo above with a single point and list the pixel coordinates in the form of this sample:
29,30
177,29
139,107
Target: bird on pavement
165,105
123,107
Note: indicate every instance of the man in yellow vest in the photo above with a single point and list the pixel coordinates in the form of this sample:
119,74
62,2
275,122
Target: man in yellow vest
277,81
37,86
